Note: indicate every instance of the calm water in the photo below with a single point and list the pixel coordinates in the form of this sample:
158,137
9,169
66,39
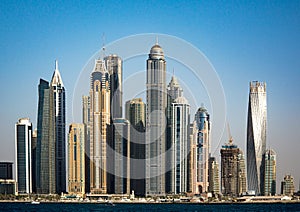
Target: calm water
75,207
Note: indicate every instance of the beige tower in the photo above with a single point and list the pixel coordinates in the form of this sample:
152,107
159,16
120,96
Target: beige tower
76,160
99,122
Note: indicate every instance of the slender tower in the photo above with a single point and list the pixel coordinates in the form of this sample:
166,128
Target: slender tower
59,98
99,122
180,145
23,156
203,143
76,160
135,114
256,135
45,150
113,64
174,91
270,173
156,122
86,122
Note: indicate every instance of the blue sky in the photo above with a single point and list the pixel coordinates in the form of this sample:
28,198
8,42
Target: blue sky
244,40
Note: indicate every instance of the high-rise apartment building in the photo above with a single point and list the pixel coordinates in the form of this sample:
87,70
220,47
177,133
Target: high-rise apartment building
45,150
202,119
174,91
23,156
193,158
121,156
232,170
256,135
135,114
156,122
287,185
59,98
99,123
86,122
270,173
242,173
113,65
33,159
180,145
213,176
76,159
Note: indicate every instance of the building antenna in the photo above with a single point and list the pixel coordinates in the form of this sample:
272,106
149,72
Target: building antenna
103,45
156,40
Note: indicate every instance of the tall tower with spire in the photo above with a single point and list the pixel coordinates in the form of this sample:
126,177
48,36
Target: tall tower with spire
99,122
156,122
59,98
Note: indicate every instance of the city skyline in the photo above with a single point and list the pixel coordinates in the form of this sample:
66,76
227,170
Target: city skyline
236,53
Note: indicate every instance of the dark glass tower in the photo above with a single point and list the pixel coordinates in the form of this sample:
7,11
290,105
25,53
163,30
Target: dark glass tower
23,156
114,67
135,114
45,152
59,98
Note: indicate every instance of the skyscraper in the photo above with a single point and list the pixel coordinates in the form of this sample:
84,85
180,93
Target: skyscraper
256,135
45,152
76,160
59,99
156,122
180,145
135,114
242,173
203,144
270,173
86,121
113,64
287,185
174,91
23,156
232,173
213,176
99,122
121,138
193,158
33,159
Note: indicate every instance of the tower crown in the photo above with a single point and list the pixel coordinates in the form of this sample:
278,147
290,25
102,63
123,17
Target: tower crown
56,78
156,52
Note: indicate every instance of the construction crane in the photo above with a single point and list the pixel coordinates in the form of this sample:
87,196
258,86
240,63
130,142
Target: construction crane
229,134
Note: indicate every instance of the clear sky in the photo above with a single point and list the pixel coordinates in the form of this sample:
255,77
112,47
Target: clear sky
244,40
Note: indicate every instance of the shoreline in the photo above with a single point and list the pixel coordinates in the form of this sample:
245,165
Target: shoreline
154,203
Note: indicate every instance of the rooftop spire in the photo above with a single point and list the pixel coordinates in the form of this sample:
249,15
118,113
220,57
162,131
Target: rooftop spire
56,65
56,78
156,40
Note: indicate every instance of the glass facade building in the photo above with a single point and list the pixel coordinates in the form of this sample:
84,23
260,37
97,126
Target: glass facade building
270,173
135,114
202,119
156,122
121,156
180,145
256,136
59,98
6,170
45,150
23,156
